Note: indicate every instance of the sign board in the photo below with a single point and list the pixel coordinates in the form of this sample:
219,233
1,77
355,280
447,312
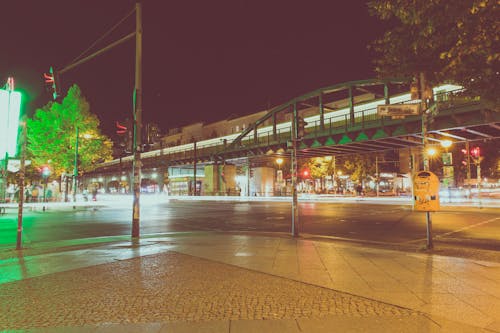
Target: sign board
447,158
425,191
398,110
15,165
10,106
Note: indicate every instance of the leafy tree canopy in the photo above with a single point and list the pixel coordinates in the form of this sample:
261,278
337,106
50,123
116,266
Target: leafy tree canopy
320,166
455,41
52,135
360,166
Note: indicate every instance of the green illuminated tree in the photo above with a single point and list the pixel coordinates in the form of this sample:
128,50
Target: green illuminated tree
455,41
52,135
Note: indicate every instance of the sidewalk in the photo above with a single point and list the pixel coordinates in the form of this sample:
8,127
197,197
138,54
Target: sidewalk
213,282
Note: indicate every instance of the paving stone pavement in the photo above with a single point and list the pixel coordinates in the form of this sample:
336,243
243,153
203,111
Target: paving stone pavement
217,282
172,287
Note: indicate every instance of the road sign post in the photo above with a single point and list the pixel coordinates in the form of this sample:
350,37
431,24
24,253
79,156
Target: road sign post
426,198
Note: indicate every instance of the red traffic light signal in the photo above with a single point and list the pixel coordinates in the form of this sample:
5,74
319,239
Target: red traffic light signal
475,152
53,80
305,173
121,129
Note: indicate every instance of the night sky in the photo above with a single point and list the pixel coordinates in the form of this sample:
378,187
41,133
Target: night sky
202,60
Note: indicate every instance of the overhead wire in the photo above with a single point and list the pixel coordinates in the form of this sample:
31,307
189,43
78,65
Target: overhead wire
101,38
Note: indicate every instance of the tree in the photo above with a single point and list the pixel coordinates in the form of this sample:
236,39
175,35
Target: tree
52,135
453,41
360,167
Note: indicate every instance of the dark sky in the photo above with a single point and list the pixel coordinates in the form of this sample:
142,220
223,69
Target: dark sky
202,60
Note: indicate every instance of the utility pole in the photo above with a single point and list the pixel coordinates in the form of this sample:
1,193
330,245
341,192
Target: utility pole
468,168
423,98
377,175
22,169
295,208
423,87
194,170
137,121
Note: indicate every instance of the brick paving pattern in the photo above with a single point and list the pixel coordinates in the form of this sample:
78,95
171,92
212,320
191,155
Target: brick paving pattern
170,287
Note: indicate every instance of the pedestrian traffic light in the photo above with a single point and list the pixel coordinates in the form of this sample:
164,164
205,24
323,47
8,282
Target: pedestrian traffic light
45,171
125,131
52,80
466,153
475,152
121,129
301,124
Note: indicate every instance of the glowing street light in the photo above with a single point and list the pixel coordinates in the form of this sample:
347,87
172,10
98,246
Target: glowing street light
279,161
446,143
431,152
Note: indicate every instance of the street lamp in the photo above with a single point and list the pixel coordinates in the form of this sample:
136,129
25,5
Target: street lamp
446,144
430,152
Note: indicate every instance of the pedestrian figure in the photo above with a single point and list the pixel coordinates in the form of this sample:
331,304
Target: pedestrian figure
359,189
34,194
27,194
48,195
94,194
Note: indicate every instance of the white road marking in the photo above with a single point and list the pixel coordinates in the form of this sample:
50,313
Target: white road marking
455,231
469,227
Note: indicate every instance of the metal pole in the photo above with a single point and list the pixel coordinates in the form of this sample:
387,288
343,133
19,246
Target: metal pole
137,121
19,242
248,177
424,121
423,87
75,167
295,208
430,244
468,168
478,171
5,176
194,171
378,176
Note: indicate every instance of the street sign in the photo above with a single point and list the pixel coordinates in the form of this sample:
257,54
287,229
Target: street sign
426,192
15,165
398,110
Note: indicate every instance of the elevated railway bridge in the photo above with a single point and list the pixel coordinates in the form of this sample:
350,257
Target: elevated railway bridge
341,120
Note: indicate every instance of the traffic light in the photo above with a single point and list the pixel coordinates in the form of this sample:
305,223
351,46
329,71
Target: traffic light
465,152
475,152
301,124
125,131
52,79
45,172
120,129
306,173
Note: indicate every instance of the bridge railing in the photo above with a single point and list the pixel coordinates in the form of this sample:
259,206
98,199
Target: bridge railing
335,121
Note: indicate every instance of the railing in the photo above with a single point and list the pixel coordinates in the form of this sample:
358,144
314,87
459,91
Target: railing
335,121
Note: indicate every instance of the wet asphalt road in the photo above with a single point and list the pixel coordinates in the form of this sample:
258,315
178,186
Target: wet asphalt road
472,227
